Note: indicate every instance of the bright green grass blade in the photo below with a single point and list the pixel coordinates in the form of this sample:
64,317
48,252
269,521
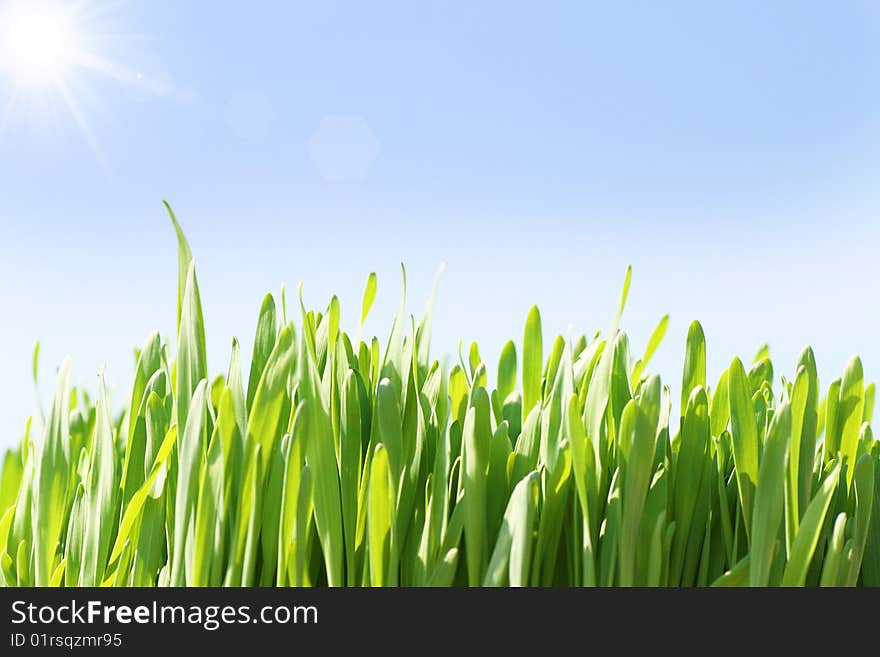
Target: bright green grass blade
99,503
719,407
210,518
864,498
599,388
807,538
21,522
692,455
834,554
369,296
476,438
620,391
148,556
532,362
184,257
351,462
191,364
243,565
301,546
133,510
157,428
445,570
761,371
5,526
191,451
654,341
697,541
556,492
638,471
553,362
497,486
73,547
394,360
22,571
511,558
268,418
458,393
58,574
871,559
380,520
809,429
238,568
656,338
270,518
6,576
793,508
506,382
553,430
333,323
726,517
694,363
51,481
149,363
585,364
586,486
744,435
10,479
768,509
845,561
609,536
870,394
850,410
439,503
528,445
375,361
652,557
833,425
264,344
654,575
321,458
390,431
230,433
35,362
294,460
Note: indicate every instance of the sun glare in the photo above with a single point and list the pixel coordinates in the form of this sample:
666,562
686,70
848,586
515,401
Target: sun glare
57,61
39,44
46,58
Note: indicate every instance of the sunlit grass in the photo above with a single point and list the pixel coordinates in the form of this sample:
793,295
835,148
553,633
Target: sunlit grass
340,461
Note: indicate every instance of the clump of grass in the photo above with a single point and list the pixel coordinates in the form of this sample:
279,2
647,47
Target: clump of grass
335,461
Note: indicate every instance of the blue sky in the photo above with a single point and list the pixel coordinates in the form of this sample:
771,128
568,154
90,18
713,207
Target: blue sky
729,150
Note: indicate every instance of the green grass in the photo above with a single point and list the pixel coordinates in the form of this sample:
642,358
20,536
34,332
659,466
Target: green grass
340,461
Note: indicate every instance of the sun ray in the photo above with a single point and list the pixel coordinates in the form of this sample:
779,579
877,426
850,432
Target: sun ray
8,110
83,125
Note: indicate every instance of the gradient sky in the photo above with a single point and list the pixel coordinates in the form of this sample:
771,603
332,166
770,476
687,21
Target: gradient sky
729,150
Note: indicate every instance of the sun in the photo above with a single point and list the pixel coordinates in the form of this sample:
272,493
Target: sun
59,60
40,44
47,56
